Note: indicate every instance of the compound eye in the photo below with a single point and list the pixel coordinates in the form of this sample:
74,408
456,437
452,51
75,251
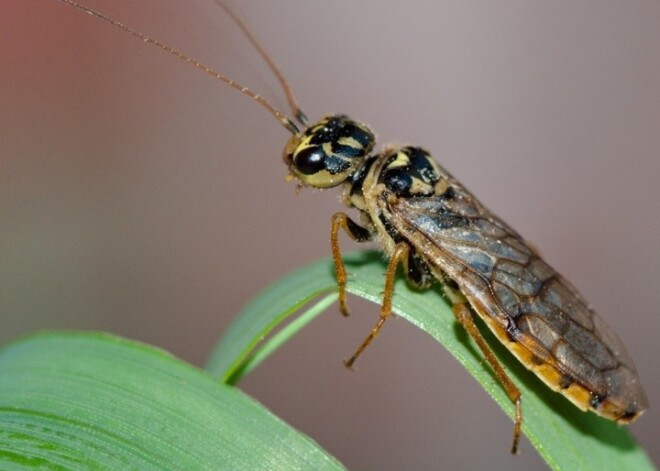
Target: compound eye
310,161
328,153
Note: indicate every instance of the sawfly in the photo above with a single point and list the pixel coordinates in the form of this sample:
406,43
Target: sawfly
429,223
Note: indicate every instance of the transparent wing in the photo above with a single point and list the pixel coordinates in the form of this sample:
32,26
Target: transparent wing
521,298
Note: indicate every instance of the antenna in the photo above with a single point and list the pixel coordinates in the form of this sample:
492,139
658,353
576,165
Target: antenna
293,103
281,117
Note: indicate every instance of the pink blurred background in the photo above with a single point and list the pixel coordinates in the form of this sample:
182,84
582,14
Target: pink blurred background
140,197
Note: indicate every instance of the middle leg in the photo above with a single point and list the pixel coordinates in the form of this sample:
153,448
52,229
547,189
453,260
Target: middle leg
399,255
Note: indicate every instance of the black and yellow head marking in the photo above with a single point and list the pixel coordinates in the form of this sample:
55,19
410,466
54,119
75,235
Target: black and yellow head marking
329,152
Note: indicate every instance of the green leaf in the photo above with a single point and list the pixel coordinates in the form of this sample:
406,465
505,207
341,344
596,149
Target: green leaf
234,355
566,437
92,401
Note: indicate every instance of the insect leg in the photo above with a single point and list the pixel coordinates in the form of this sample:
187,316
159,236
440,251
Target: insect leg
464,317
400,254
357,233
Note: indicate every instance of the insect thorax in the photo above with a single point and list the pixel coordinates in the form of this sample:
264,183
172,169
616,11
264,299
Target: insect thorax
336,150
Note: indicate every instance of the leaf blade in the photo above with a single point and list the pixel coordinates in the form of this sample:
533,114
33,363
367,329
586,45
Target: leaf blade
566,437
280,300
94,401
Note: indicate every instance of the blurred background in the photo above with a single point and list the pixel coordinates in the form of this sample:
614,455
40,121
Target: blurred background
140,197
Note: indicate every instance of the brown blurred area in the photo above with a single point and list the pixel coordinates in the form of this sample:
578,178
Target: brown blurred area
140,197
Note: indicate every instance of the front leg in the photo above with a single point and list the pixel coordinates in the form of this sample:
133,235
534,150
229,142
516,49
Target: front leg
355,232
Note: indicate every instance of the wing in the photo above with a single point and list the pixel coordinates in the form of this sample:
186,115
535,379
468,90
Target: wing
530,307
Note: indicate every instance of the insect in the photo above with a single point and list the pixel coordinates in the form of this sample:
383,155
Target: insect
428,222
